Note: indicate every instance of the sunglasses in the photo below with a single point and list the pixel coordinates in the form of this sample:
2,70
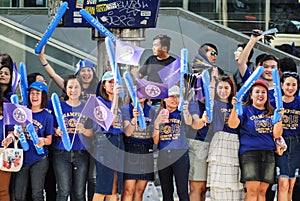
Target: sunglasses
213,53
290,74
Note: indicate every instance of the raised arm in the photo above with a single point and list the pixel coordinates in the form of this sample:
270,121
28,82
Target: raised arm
243,58
51,72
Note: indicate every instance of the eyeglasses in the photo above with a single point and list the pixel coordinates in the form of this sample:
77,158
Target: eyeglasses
290,74
213,53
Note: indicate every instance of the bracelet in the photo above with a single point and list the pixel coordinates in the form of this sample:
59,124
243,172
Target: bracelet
156,129
46,64
211,87
132,123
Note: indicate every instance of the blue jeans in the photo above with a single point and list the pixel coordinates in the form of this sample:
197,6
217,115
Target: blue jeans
71,171
287,165
174,163
37,173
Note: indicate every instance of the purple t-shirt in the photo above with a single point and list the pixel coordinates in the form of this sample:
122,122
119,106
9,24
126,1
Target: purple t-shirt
256,130
43,125
71,116
171,135
221,114
196,107
291,118
139,135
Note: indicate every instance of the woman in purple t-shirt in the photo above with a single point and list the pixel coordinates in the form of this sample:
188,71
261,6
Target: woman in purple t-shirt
257,146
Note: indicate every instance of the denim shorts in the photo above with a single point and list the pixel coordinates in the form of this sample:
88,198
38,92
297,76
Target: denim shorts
258,166
287,165
139,163
109,158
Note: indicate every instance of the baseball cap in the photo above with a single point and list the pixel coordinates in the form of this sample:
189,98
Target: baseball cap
83,64
262,83
38,86
174,90
107,76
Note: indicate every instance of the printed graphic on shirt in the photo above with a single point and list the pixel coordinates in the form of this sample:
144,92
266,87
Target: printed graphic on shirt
262,123
142,134
171,131
290,119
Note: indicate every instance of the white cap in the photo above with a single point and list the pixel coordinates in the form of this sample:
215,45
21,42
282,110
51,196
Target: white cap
174,90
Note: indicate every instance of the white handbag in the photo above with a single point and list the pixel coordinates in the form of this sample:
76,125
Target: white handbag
11,159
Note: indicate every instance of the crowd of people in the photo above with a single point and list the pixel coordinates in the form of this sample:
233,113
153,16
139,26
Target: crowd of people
235,155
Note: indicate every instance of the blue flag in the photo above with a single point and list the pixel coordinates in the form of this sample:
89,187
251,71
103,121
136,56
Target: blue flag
151,90
170,74
98,112
16,114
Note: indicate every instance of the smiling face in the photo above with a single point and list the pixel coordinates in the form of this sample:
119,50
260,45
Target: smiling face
5,75
259,96
223,91
35,98
86,75
172,102
268,66
289,86
73,89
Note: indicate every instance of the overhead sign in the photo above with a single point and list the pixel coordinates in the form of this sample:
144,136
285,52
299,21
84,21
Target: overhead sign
113,13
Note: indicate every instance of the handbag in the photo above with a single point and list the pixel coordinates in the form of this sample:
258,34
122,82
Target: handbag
11,159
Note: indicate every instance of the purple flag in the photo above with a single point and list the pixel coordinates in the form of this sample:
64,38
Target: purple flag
98,112
15,79
127,53
198,89
151,90
16,114
170,74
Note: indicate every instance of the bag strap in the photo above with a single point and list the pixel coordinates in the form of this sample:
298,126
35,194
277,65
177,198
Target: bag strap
16,143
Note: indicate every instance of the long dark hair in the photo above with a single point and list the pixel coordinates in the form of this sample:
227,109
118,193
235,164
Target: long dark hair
1,103
93,83
8,90
44,100
268,107
100,91
229,80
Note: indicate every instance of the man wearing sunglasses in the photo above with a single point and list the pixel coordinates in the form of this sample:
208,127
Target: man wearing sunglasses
207,53
211,51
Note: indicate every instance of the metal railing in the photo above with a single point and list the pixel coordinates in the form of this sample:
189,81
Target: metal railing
37,36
